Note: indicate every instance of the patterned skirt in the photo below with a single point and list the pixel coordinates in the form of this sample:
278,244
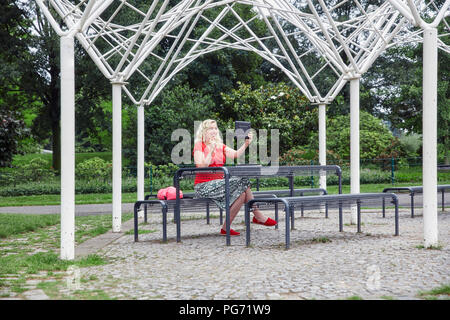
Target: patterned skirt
215,190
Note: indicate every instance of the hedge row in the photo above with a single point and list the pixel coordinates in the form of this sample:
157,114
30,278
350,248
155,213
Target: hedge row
129,185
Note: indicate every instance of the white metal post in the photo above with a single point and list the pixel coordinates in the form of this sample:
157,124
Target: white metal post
67,148
354,142
322,148
322,143
140,152
429,118
117,156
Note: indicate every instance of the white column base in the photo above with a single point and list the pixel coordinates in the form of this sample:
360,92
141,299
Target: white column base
430,217
67,148
354,143
117,157
322,148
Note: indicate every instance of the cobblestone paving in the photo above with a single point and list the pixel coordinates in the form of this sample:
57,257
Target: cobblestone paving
322,263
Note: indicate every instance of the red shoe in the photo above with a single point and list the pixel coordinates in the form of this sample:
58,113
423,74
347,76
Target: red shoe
232,232
269,222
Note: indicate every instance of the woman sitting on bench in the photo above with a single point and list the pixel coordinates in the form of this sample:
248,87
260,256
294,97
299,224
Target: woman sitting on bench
210,151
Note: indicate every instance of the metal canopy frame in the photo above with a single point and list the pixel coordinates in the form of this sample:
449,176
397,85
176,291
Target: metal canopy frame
341,49
141,45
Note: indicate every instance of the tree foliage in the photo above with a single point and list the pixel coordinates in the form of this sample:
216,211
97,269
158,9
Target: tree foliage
175,109
272,106
376,141
396,91
10,131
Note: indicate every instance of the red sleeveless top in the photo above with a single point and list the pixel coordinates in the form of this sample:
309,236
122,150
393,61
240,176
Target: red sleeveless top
218,159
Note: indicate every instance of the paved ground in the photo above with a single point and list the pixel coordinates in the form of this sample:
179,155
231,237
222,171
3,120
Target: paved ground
92,209
321,264
80,209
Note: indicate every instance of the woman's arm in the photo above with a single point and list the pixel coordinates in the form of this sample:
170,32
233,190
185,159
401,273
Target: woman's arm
201,160
233,154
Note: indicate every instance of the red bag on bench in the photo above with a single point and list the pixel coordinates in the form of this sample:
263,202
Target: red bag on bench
168,193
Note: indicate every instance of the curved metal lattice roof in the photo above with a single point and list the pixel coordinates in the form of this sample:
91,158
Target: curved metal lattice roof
317,44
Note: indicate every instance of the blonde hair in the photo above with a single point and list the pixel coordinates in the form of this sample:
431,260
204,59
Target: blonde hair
201,130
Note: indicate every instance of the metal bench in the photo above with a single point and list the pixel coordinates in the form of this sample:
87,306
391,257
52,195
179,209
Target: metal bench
287,193
164,210
417,189
189,203
249,171
315,202
199,204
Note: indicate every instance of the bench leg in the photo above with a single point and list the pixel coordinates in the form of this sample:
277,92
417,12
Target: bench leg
228,226
412,205
145,213
207,213
287,210
136,237
247,225
358,206
276,214
443,203
384,209
396,217
341,224
292,218
178,222
164,214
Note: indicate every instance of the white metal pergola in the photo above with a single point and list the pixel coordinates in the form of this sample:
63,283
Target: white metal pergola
123,38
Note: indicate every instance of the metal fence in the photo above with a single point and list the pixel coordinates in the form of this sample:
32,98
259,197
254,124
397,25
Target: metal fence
390,170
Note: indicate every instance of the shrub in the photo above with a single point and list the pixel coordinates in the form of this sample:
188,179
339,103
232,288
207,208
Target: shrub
411,144
376,140
31,188
36,169
94,168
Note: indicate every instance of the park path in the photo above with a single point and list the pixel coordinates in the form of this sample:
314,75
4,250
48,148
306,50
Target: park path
322,263
92,209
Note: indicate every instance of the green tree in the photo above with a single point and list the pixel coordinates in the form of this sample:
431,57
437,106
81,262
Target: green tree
39,78
177,108
395,83
376,141
10,130
30,81
93,113
273,106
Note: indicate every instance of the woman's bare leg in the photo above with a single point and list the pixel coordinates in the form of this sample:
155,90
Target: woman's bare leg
258,214
245,197
234,209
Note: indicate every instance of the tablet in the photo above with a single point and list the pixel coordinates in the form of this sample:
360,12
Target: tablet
241,129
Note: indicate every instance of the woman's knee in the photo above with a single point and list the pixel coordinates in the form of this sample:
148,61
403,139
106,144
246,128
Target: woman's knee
241,198
248,194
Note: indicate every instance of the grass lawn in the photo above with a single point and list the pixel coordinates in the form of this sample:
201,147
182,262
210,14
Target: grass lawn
55,199
29,252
